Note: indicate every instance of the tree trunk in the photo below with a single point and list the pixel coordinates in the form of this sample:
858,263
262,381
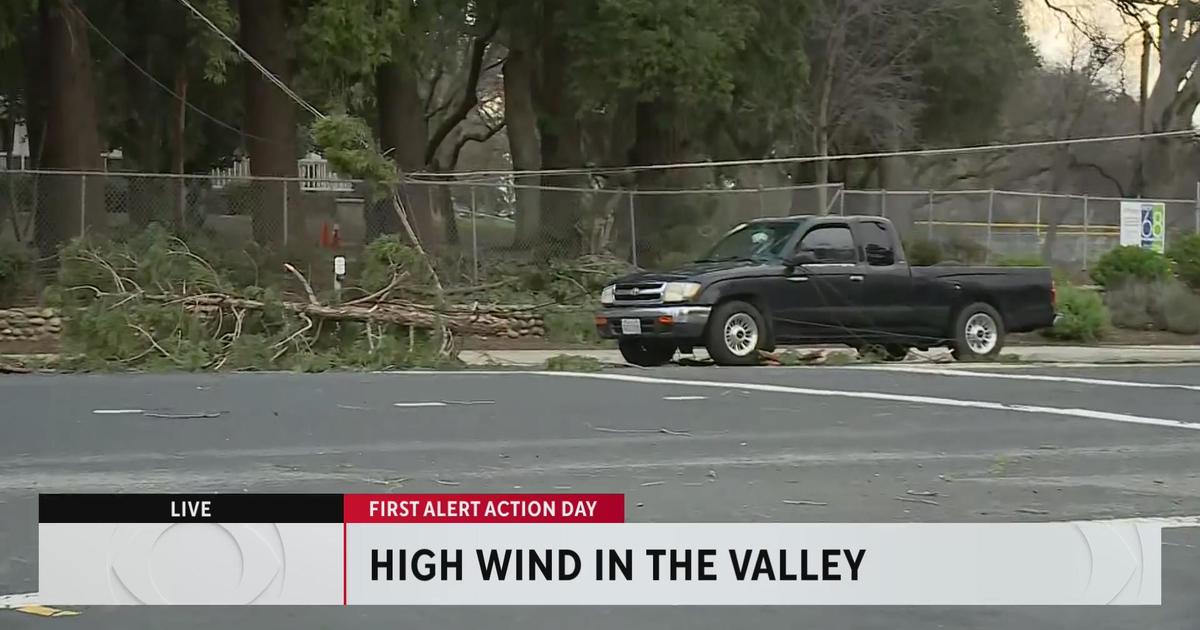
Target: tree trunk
403,134
270,124
68,204
653,144
562,140
521,127
1139,167
179,149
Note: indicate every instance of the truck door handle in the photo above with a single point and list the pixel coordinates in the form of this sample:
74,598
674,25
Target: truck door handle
797,278
856,278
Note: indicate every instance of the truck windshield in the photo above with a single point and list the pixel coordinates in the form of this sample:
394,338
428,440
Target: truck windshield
752,241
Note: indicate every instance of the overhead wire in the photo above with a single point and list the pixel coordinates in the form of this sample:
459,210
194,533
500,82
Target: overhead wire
252,61
802,159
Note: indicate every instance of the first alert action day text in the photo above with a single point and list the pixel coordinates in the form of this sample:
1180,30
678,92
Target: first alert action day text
481,508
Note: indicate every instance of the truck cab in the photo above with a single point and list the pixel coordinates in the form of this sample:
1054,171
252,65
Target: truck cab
819,280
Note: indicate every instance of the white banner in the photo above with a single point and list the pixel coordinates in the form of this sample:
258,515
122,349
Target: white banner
602,564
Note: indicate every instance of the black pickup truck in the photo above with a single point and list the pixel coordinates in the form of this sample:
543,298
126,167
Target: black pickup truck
820,280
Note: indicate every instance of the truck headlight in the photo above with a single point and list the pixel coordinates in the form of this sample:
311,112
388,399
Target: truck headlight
680,291
608,294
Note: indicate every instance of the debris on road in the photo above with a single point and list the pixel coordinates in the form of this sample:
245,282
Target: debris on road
184,416
652,483
685,397
662,430
798,502
443,482
469,402
921,493
911,500
1032,511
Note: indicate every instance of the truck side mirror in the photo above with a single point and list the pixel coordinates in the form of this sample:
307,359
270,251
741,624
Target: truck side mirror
801,257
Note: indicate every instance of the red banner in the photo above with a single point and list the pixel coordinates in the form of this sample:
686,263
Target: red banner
484,508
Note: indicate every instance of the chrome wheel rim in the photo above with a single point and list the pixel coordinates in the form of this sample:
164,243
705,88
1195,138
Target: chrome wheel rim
982,333
741,334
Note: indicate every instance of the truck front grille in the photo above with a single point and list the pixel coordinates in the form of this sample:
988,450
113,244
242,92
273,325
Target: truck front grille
639,293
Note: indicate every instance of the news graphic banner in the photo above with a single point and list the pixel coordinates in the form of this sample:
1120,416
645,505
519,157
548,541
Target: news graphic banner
555,549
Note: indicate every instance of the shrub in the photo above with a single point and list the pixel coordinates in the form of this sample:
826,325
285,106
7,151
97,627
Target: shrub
963,250
922,252
1181,309
1186,254
1168,305
1084,317
16,269
1130,262
1027,260
1133,305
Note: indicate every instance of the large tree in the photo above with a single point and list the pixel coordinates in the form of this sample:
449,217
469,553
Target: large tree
271,121
69,204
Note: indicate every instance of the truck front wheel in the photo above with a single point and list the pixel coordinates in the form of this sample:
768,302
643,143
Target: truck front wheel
646,352
978,333
736,332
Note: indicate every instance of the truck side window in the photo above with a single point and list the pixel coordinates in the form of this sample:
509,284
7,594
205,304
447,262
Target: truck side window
830,244
877,244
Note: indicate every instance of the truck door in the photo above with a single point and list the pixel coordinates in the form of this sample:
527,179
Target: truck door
886,293
819,300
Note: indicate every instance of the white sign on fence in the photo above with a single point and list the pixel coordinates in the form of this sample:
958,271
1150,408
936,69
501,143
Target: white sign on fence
1144,224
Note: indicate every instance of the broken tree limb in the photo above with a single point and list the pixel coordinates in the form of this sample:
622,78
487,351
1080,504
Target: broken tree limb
462,321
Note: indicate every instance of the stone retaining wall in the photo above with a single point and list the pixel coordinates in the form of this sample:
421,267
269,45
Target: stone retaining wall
29,324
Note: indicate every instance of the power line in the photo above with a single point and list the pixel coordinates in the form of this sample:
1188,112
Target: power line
254,62
621,170
161,85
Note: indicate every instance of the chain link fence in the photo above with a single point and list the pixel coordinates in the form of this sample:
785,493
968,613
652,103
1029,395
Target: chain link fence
478,225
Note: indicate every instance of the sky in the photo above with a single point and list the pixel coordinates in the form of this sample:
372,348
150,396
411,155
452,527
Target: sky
1056,39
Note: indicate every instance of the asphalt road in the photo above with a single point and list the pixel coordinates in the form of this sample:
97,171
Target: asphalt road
1001,444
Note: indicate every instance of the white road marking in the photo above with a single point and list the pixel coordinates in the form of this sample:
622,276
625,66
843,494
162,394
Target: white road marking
921,400
685,397
17,600
419,404
116,412
1028,377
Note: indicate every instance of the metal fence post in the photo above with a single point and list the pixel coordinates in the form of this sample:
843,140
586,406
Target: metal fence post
929,226
883,203
474,241
82,205
842,199
632,232
1085,232
762,208
987,254
286,224
1037,222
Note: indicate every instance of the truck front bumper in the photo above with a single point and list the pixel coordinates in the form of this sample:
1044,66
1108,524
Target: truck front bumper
662,322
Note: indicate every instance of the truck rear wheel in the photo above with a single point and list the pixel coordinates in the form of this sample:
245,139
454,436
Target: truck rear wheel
646,352
736,332
978,333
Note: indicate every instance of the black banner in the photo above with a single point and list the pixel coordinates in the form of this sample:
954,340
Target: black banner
190,508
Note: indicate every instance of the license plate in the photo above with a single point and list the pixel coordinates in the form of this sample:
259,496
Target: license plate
631,326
